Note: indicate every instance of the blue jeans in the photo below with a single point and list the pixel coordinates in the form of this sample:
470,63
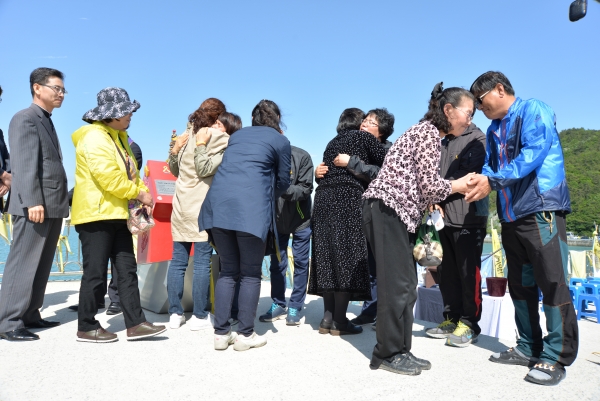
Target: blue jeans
201,284
241,255
300,250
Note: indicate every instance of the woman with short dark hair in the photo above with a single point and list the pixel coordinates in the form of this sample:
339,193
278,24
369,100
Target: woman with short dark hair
239,211
392,211
339,271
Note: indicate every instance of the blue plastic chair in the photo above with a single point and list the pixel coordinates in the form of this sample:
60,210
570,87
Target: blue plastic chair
592,298
576,291
593,280
576,280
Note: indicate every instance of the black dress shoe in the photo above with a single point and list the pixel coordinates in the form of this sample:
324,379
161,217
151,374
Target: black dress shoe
324,327
41,324
21,334
339,329
114,308
75,308
363,319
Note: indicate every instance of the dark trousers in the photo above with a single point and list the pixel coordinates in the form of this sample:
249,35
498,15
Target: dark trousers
300,250
27,270
370,307
537,255
392,247
241,255
460,275
113,292
101,240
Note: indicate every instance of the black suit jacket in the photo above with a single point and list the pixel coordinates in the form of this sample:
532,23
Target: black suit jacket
38,175
4,163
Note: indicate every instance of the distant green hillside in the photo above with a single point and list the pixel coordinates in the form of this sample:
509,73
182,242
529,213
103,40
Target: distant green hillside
581,148
582,161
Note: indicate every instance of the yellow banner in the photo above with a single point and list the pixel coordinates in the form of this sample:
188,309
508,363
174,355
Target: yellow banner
498,268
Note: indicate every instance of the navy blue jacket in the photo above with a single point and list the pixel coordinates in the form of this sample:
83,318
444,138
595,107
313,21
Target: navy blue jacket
255,172
525,163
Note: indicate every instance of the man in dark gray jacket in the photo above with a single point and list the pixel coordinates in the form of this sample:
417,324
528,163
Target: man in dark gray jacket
293,217
462,242
38,203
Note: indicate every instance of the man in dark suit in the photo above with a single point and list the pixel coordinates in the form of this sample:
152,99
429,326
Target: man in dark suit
38,202
5,177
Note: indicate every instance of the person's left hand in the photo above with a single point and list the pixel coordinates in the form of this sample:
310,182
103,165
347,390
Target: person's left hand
6,179
478,187
203,136
3,190
341,160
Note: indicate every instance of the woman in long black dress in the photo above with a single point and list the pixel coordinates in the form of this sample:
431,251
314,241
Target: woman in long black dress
339,271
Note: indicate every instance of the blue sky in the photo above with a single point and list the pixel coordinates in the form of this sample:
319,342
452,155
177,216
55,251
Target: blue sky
314,58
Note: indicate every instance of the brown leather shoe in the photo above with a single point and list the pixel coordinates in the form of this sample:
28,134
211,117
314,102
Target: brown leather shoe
97,336
144,330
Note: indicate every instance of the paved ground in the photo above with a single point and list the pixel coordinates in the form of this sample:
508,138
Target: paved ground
297,363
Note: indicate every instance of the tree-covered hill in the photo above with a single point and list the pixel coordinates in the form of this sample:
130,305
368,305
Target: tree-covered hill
581,148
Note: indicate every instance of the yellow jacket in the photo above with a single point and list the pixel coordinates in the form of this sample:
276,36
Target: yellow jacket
102,188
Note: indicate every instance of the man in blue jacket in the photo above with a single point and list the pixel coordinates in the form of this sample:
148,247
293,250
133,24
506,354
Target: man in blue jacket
525,165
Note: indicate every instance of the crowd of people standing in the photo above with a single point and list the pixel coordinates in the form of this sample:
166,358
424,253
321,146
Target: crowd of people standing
245,191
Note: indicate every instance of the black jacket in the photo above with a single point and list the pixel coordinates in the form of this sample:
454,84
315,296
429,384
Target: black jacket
294,206
4,162
462,155
363,171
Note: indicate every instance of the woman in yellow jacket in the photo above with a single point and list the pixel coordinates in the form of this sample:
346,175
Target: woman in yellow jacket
106,178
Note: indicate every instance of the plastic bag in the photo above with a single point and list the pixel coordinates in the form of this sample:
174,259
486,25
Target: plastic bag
428,249
139,220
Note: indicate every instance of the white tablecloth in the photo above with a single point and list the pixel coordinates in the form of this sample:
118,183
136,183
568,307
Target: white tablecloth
497,315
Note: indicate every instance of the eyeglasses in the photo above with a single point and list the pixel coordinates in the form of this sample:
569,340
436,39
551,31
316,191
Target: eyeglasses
479,99
466,113
370,123
57,89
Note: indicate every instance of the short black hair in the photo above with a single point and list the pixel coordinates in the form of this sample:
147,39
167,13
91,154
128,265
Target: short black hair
231,121
267,114
385,119
487,81
350,119
0,91
41,75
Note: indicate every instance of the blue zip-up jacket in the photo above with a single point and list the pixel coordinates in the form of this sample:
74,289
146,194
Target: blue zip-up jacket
524,162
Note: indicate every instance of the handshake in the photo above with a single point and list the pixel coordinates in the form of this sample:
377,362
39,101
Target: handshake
473,186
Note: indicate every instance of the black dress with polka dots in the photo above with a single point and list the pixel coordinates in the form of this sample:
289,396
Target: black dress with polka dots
339,249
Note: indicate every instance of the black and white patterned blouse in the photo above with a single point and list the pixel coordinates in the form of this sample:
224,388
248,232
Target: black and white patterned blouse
409,180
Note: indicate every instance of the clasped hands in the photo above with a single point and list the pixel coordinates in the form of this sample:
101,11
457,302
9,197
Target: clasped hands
473,186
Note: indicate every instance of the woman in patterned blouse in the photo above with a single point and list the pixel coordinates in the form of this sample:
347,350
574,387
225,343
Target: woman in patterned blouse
394,205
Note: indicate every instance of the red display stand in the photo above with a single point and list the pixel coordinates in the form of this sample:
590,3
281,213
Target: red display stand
156,245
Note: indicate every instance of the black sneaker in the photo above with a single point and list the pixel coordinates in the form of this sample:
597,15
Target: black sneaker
422,363
402,364
362,320
513,357
545,374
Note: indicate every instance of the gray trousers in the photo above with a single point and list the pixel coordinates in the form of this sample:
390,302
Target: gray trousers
26,272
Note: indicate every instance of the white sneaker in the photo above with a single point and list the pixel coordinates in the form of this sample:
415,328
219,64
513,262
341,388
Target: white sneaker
243,343
175,321
196,324
222,341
